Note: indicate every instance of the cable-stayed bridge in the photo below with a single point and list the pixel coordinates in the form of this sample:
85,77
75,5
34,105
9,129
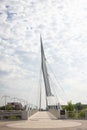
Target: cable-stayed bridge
51,99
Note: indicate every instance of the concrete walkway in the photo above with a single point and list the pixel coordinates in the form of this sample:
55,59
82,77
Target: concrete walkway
44,120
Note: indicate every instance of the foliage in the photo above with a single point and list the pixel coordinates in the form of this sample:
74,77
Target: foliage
12,118
71,114
64,107
78,106
2,108
76,111
82,113
70,107
8,107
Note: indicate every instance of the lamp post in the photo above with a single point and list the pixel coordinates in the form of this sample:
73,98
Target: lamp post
5,97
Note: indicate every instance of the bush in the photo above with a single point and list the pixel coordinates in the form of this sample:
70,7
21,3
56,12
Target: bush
71,114
14,117
82,114
8,107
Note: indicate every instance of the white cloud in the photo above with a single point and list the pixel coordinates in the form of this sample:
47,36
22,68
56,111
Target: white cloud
63,26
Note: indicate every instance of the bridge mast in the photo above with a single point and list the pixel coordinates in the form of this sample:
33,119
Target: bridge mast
45,73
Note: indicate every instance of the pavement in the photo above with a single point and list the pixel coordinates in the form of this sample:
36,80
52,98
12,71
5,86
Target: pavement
44,120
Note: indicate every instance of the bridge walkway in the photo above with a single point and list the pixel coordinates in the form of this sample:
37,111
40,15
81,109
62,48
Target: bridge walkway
44,119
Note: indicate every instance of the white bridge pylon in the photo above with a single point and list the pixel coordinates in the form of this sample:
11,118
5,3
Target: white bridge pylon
51,100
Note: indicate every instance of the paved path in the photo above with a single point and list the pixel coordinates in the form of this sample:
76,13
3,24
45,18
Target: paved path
44,121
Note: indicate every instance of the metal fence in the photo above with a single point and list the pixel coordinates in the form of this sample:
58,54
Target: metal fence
69,114
76,115
16,115
9,114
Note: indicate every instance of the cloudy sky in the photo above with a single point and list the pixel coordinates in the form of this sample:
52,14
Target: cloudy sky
63,26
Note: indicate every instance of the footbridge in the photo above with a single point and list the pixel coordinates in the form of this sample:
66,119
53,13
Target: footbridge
44,120
52,102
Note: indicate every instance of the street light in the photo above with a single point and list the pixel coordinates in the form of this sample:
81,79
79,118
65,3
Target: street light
5,97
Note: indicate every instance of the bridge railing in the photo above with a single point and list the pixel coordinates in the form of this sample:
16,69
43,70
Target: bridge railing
32,112
15,114
76,115
69,114
4,114
58,113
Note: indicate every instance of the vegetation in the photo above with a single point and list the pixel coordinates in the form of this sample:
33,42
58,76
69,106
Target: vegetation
7,107
70,107
78,106
14,118
2,108
77,110
81,114
10,107
74,107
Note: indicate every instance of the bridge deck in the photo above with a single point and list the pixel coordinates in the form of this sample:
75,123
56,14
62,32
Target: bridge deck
44,120
42,116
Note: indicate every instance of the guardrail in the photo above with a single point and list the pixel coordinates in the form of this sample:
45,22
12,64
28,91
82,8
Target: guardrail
59,114
69,114
15,114
76,115
9,114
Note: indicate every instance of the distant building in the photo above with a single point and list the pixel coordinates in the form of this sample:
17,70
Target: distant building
15,105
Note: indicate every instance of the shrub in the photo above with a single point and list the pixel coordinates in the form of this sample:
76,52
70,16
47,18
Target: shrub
82,114
71,114
12,118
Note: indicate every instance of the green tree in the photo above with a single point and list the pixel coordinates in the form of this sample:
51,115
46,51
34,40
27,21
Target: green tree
82,113
70,110
78,106
2,108
70,106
